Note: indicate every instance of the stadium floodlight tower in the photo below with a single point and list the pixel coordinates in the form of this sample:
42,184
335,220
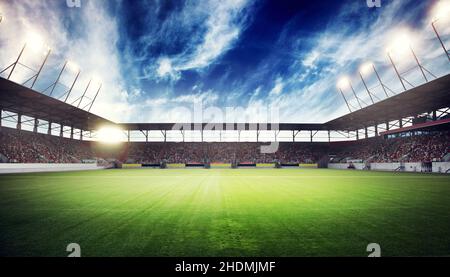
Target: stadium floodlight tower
92,82
440,13
346,83
389,52
99,83
401,45
365,68
35,42
342,84
72,67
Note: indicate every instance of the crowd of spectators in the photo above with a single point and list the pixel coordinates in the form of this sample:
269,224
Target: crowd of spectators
27,147
422,148
221,152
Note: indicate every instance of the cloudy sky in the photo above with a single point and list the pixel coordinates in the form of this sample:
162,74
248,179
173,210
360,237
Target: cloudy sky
234,59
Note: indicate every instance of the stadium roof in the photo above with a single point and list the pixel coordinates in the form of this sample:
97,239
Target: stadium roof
19,99
428,97
222,126
443,123
431,96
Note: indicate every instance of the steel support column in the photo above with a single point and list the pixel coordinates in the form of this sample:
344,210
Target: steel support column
57,79
36,125
40,69
17,61
440,40
381,82
19,122
396,71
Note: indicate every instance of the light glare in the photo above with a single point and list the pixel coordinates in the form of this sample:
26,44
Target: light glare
366,68
109,135
72,66
96,80
400,45
35,42
343,83
441,10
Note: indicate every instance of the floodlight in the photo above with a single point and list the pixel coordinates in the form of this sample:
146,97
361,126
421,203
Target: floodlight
366,68
440,11
72,66
110,135
96,80
35,42
400,45
343,83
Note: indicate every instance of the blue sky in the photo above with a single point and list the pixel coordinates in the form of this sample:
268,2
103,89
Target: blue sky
157,58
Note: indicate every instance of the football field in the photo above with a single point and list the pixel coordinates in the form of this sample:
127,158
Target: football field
224,212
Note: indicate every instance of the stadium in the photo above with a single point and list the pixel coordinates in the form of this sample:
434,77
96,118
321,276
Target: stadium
377,175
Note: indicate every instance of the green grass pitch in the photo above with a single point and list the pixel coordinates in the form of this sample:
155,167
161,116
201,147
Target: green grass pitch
224,212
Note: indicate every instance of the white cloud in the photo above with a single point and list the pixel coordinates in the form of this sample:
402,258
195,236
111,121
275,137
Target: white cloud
166,70
206,98
91,45
298,99
311,58
311,96
278,88
224,23
223,28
